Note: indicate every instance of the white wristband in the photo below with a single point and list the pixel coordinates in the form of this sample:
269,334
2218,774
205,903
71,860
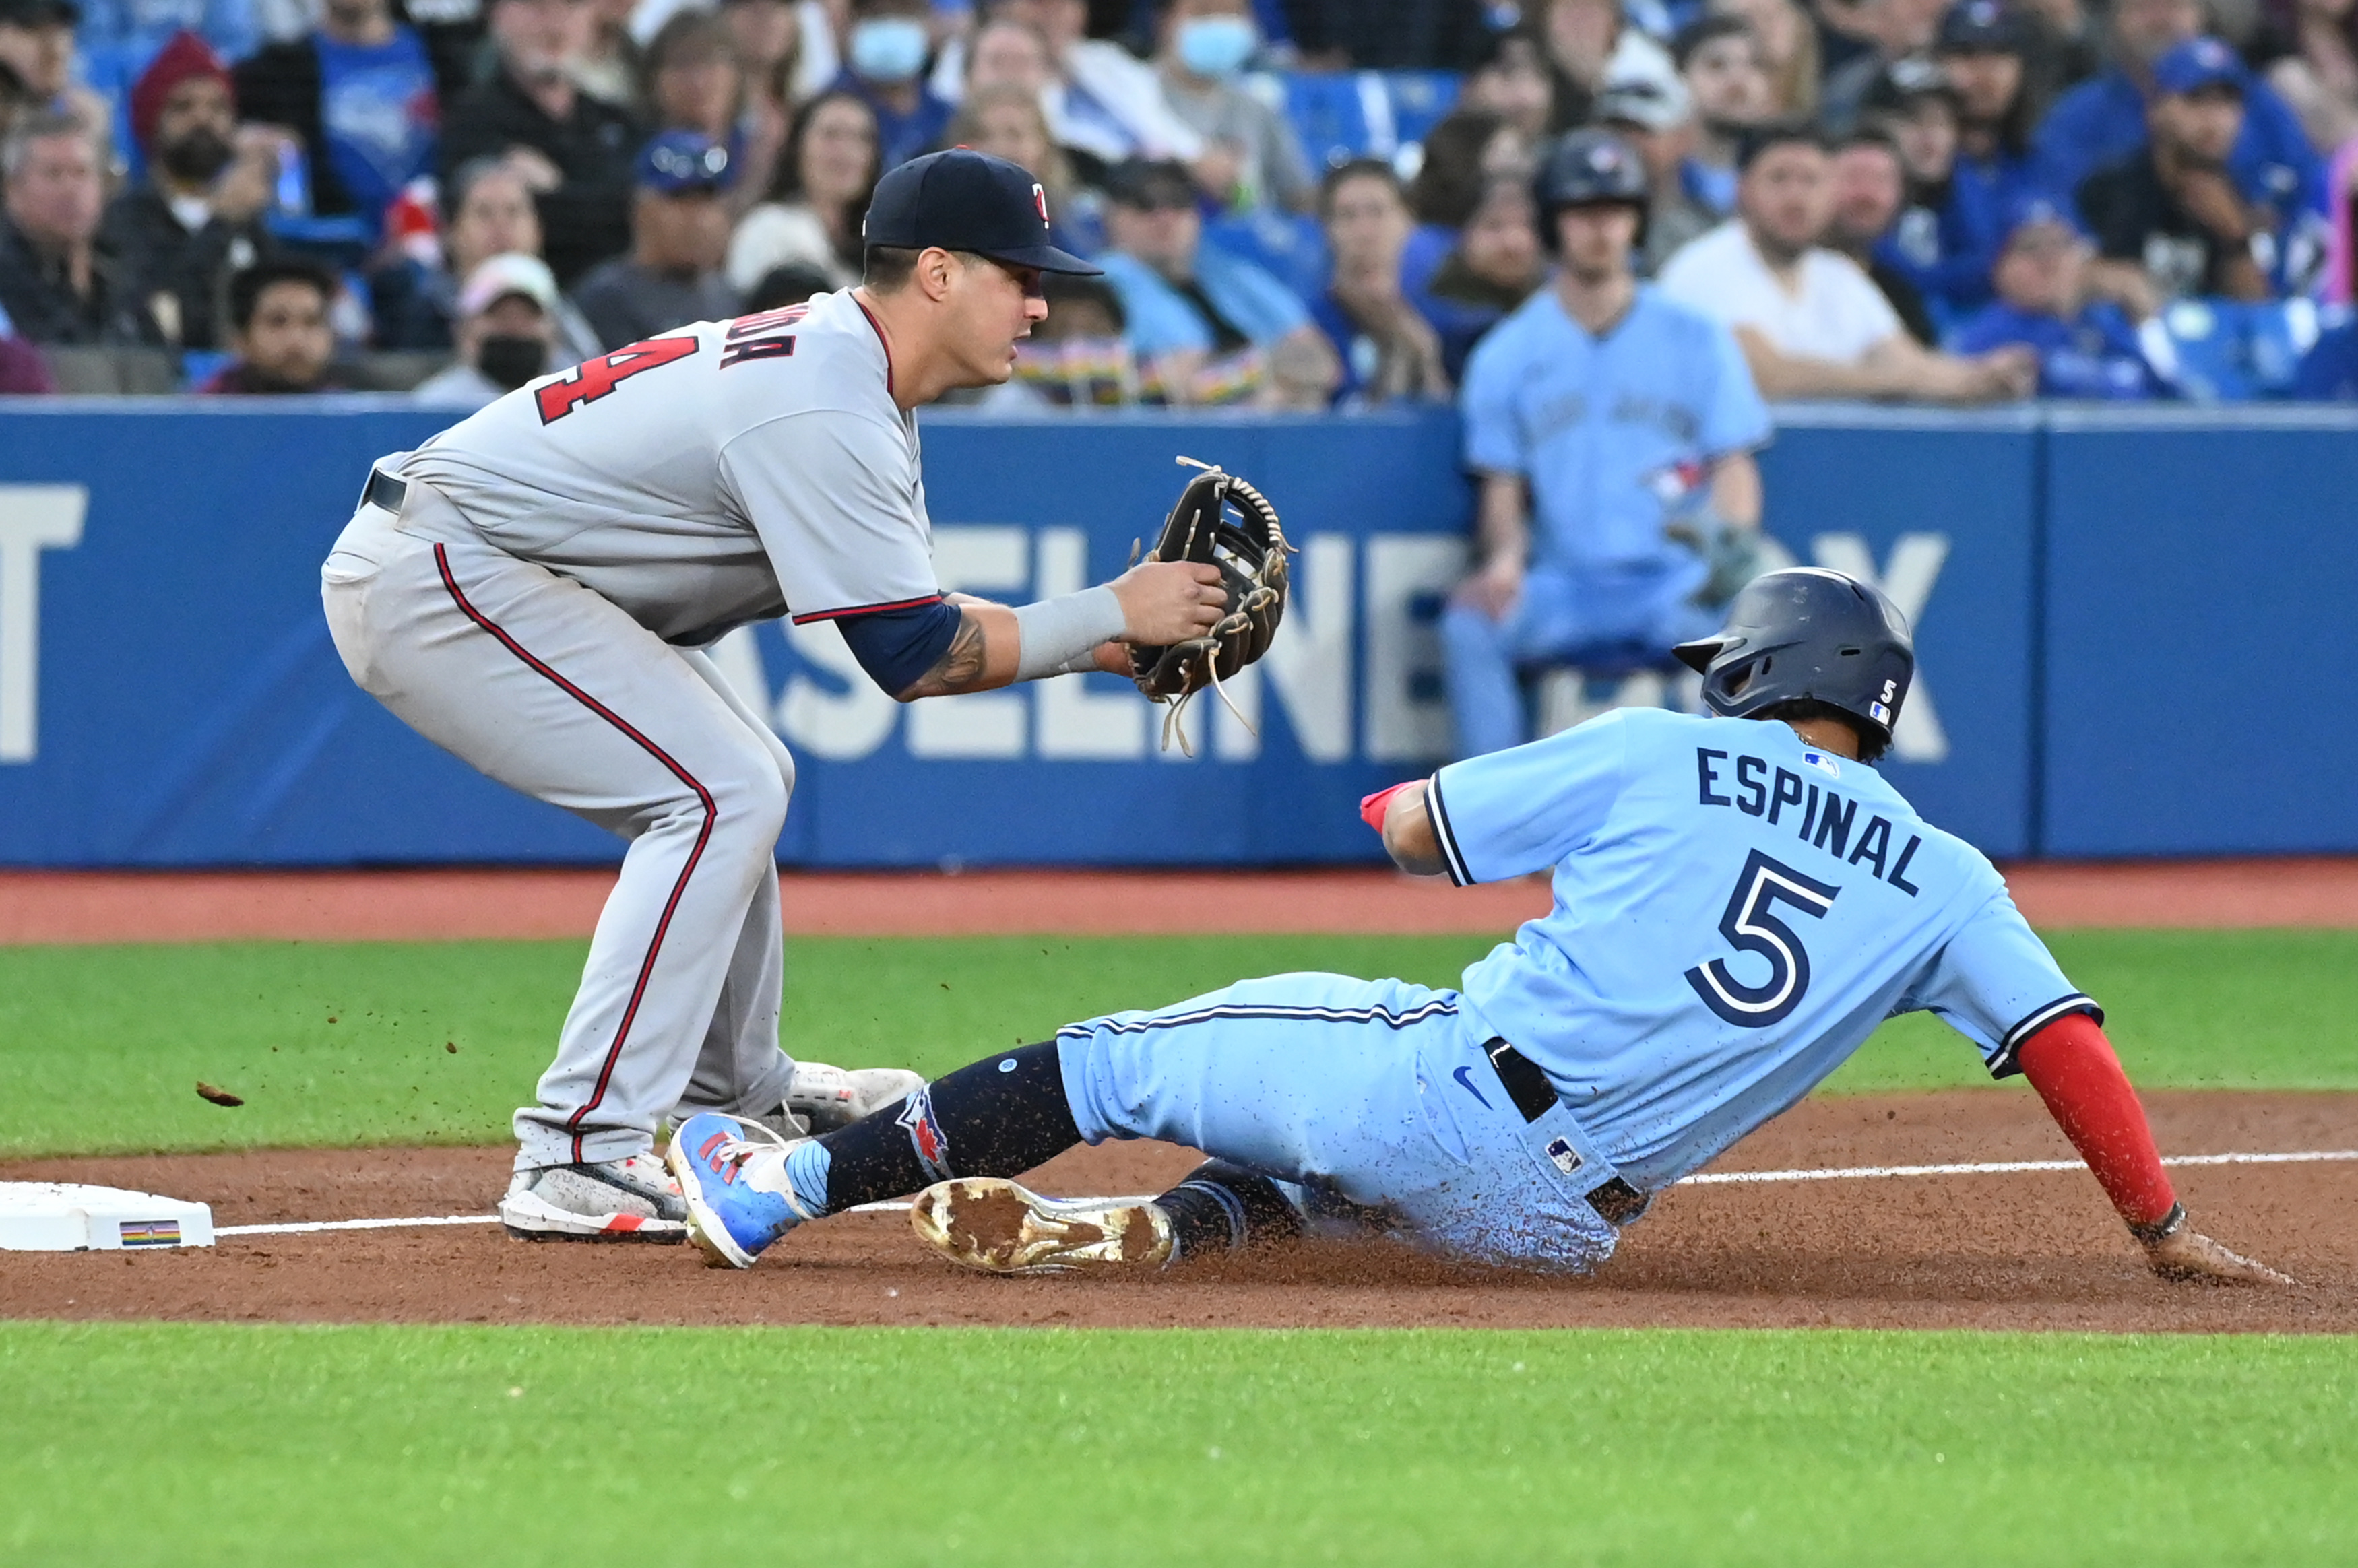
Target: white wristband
1058,636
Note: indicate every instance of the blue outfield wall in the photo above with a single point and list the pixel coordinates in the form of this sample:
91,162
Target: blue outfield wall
168,695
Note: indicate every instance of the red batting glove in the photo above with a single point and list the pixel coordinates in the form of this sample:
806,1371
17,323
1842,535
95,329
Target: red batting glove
1372,807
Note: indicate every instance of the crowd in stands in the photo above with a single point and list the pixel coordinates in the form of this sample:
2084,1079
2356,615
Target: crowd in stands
1297,203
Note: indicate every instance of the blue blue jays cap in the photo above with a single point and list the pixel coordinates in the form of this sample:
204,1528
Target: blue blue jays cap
677,161
2196,64
961,199
2033,208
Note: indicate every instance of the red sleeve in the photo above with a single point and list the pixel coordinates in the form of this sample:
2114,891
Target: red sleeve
1373,809
2075,1071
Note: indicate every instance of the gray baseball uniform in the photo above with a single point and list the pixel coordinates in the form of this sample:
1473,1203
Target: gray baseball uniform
530,597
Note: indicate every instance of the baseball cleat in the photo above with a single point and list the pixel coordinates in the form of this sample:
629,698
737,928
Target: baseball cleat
633,1199
826,1098
989,1223
732,1177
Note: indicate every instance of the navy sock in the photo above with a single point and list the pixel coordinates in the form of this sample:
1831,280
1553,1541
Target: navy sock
1222,1208
998,1117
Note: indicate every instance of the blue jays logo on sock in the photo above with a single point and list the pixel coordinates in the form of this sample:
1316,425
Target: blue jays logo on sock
1566,1157
925,1136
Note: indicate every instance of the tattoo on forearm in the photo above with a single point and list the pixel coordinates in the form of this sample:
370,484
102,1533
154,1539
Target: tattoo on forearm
961,667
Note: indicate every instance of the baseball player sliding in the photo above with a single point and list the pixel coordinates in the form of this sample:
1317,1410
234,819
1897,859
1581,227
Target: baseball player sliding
1737,906
532,589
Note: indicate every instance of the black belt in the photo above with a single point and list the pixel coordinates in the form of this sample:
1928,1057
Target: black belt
1527,1090
385,490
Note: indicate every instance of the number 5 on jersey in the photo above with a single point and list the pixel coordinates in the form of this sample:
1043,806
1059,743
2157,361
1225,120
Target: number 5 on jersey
1751,926
593,379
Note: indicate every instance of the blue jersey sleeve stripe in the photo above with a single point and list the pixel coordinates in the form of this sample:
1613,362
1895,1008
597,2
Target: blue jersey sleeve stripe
1452,859
2002,1065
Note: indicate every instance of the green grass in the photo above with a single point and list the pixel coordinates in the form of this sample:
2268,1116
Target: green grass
345,1043
190,1445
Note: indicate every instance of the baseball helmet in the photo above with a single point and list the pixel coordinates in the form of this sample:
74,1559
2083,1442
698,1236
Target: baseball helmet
1587,168
1807,634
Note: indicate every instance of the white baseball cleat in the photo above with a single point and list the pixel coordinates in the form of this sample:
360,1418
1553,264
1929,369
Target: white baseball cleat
824,1097
633,1199
989,1223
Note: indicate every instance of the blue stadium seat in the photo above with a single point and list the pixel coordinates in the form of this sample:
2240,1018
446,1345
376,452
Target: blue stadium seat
2226,350
1366,114
1290,244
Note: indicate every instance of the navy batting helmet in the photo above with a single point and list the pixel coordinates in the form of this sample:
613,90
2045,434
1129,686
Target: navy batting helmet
1809,634
1586,168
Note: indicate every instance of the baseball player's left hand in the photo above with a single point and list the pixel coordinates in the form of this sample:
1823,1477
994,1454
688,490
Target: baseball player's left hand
2188,1256
1169,601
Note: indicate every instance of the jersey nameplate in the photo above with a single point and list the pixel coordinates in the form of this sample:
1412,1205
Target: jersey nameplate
1826,819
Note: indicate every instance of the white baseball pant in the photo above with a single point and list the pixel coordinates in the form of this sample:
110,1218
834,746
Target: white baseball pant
552,690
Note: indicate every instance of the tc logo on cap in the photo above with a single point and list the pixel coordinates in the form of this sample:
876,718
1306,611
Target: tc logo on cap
1040,200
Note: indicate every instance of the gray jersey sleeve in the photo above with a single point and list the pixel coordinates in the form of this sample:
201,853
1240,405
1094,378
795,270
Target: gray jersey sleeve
836,498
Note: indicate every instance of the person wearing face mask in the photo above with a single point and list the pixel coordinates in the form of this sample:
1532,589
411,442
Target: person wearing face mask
1252,157
179,233
884,62
507,335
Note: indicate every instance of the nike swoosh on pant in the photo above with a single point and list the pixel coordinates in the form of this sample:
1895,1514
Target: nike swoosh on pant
1466,1081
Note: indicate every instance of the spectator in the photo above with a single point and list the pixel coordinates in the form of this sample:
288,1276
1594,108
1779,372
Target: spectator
278,312
884,67
1512,82
1900,30
1252,157
22,371
692,81
1586,42
1787,45
1462,153
1389,34
1103,103
768,39
1809,322
37,68
2169,220
1005,52
491,214
574,150
2063,46
2315,68
180,232
1496,264
1983,52
1719,62
1007,121
1388,350
1943,250
1657,118
508,333
2086,347
358,92
679,234
1599,417
814,210
2102,121
55,287
1870,195
1206,327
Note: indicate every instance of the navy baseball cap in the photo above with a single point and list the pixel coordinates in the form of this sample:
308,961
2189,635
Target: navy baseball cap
961,199
677,161
2196,64
1981,26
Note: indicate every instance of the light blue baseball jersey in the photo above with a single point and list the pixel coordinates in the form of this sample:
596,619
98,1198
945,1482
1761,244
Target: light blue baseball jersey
1736,910
1610,432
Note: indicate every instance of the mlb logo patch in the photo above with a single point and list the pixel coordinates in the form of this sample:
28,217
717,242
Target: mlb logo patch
1823,763
1879,713
1567,1158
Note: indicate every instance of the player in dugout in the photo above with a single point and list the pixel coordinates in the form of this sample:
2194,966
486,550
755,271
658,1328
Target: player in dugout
1737,906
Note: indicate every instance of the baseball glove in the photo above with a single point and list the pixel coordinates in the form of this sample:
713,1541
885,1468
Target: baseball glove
1223,521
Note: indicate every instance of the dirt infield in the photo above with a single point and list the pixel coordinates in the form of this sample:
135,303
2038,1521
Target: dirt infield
445,905
2017,1251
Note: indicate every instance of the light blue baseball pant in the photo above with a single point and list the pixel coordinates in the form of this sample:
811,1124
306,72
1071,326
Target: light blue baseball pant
1372,1098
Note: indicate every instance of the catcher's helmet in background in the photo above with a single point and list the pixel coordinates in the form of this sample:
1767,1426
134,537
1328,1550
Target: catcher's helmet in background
1809,634
1587,168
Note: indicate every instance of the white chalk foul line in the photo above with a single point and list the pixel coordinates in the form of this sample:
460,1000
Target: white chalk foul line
1710,1178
